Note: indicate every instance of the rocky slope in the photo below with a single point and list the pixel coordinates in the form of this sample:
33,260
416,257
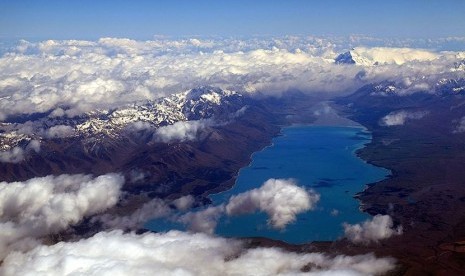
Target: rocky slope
100,125
419,137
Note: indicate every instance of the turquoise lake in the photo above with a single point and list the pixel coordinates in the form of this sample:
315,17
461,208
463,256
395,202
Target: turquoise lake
318,157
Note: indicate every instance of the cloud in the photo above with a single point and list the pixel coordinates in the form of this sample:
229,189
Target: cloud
387,55
280,199
460,128
182,131
378,228
47,205
156,208
153,209
71,77
335,212
14,155
204,221
398,118
33,145
184,203
59,131
179,253
18,154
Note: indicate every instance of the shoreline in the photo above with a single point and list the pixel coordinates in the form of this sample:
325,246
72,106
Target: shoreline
354,146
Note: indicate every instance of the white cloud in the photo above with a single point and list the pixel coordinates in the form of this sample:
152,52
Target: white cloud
14,155
17,154
153,209
281,199
59,131
378,228
182,131
184,203
387,55
48,205
156,208
33,145
203,221
398,118
179,253
71,77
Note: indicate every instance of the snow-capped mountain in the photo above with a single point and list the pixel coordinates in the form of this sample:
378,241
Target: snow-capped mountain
195,104
442,87
383,55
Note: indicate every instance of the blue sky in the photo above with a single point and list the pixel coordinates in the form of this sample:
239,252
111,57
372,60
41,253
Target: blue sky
86,19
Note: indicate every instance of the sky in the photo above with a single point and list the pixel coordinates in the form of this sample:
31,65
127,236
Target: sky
87,19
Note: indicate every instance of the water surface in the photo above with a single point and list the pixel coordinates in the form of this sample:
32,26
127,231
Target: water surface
318,157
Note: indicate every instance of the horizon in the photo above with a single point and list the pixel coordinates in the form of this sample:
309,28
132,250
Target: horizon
142,20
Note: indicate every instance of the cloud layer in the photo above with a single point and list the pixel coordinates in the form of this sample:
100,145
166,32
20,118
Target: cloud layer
179,253
74,76
378,228
383,55
47,205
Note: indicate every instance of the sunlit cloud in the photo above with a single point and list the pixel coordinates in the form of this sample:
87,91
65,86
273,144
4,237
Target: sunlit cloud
180,253
71,77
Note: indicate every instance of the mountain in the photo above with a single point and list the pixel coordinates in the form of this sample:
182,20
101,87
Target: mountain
103,125
383,55
419,136
226,128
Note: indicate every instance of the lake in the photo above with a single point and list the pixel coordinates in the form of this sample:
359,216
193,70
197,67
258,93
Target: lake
318,157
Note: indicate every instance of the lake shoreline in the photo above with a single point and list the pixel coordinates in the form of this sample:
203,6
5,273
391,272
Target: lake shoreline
298,143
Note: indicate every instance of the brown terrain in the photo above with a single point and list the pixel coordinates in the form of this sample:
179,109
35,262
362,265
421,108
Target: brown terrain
426,191
154,169
425,194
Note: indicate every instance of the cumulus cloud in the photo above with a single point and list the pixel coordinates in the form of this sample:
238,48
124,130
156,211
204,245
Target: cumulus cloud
398,118
47,205
59,131
378,228
184,203
71,77
280,199
182,131
179,253
18,154
203,221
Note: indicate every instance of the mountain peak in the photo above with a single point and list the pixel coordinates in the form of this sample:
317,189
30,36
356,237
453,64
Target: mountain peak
195,104
383,55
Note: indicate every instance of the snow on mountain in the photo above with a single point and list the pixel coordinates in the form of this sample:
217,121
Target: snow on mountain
194,104
441,87
459,66
383,55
